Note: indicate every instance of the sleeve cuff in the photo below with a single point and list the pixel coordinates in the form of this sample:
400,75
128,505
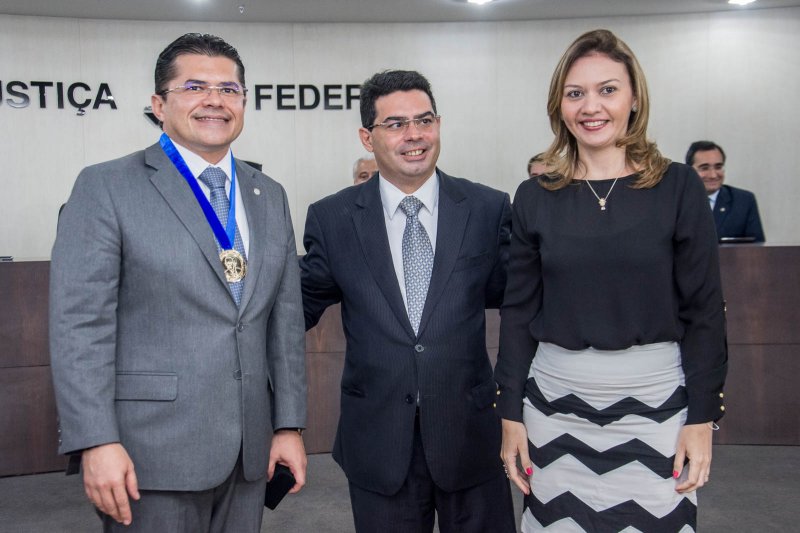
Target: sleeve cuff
508,404
705,407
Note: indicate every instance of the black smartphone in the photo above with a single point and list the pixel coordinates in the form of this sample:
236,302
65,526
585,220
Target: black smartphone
282,482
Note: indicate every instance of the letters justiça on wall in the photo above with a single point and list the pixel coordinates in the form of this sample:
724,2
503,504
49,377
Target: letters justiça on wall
80,95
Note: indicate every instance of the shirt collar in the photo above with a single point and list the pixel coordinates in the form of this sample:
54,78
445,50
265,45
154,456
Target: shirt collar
391,196
713,196
197,164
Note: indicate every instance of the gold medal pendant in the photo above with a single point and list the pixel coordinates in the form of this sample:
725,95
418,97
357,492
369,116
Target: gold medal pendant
234,265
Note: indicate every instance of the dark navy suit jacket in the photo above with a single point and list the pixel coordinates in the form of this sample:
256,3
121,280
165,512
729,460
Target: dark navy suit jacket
348,260
736,214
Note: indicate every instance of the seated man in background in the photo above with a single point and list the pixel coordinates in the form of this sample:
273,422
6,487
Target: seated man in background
735,210
536,166
364,168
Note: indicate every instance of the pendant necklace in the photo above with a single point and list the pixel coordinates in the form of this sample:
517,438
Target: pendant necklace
602,201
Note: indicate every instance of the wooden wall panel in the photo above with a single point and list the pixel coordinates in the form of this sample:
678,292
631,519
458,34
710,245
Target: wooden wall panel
28,434
762,397
23,314
324,378
761,285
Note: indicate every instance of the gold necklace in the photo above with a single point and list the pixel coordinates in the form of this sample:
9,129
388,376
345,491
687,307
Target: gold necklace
602,201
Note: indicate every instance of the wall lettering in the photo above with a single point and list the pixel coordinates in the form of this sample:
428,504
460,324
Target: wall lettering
305,96
79,95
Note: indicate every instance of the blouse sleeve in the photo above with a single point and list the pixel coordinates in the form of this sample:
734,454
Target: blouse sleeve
701,308
521,303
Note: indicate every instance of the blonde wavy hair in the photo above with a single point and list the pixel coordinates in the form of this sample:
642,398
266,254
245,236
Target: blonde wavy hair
640,153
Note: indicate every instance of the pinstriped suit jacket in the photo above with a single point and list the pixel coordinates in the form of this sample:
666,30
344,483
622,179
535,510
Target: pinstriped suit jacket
148,347
348,260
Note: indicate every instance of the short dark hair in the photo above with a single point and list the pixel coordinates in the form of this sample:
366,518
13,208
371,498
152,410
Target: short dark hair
702,146
388,82
193,43
538,158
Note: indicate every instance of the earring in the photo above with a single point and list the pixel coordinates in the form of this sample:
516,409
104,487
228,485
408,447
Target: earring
634,108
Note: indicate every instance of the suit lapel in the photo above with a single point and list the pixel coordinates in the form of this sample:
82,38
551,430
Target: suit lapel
256,212
722,207
179,197
450,227
371,230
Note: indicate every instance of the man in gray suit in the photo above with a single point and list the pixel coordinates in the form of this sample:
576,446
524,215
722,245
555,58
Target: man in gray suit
176,323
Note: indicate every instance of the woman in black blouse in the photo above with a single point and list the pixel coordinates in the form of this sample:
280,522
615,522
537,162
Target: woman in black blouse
614,286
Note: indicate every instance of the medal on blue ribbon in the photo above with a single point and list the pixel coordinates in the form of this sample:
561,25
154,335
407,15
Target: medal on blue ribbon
233,263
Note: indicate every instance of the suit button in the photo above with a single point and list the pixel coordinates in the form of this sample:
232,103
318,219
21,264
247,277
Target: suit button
409,399
721,407
419,348
237,374
239,327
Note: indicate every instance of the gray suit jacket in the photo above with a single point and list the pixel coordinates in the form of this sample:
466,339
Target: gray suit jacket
148,347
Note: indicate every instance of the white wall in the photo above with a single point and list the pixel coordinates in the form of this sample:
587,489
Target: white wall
727,77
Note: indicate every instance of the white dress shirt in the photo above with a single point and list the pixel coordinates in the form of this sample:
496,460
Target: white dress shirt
712,199
395,219
197,165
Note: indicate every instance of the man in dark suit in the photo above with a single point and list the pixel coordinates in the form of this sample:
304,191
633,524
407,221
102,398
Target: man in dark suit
178,352
414,256
735,210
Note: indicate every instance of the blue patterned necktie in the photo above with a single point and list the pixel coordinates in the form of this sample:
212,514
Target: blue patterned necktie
417,260
215,178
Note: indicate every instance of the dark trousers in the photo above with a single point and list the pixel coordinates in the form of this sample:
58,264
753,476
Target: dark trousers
483,508
235,505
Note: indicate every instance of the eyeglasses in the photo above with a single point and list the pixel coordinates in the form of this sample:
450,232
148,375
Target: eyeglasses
229,90
424,123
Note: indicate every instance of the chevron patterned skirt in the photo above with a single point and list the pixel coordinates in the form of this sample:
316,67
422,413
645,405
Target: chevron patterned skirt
602,430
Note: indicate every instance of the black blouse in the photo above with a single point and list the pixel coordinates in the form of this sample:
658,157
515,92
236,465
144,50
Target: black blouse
643,271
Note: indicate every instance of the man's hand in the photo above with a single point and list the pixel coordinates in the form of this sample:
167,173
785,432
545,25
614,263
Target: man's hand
288,449
108,479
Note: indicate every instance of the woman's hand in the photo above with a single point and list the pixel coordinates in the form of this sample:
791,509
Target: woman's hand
694,443
515,446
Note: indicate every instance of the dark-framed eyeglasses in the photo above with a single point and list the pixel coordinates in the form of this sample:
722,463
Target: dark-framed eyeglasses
423,123
227,90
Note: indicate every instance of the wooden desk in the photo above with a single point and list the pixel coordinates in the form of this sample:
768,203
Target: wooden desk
761,286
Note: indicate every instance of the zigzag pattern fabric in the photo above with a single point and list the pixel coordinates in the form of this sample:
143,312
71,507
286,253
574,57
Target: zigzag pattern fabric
602,429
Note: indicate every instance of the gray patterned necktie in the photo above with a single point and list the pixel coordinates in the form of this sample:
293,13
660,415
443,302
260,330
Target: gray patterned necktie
215,178
417,260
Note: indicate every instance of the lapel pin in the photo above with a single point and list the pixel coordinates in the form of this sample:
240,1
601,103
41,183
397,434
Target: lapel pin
721,209
257,191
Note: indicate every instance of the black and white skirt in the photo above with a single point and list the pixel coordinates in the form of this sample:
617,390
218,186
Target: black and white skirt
602,430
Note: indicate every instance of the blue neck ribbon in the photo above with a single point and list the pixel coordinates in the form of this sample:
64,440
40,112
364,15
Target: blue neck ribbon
225,236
